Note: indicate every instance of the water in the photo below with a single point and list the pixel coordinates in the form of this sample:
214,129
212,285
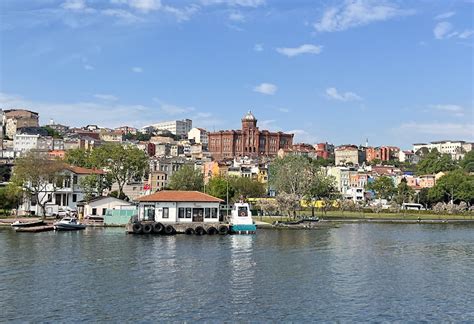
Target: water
359,272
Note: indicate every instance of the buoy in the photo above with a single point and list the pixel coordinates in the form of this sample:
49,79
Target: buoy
158,228
169,230
223,230
147,228
212,230
137,228
200,230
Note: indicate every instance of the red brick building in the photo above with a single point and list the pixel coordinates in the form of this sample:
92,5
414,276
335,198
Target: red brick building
248,141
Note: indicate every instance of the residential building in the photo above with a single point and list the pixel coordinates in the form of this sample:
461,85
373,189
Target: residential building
382,153
114,136
406,156
168,165
199,136
179,207
157,180
99,205
456,149
60,196
126,130
248,141
342,176
349,154
324,150
179,128
356,194
61,129
18,118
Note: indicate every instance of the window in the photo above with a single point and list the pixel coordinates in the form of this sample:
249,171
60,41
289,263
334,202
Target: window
213,212
104,211
166,212
74,197
188,212
243,212
180,212
207,213
94,211
74,179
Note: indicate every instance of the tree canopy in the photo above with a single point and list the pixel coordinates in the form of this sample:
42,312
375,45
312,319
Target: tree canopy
435,162
456,185
383,187
187,178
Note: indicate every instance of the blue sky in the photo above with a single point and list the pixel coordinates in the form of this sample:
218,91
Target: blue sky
395,72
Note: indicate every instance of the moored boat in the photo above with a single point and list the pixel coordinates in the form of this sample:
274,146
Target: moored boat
68,224
20,224
241,221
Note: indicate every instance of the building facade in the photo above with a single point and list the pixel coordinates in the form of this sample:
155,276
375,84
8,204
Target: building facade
248,141
18,118
349,154
456,149
177,127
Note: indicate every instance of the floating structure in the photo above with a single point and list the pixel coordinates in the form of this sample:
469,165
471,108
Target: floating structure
188,212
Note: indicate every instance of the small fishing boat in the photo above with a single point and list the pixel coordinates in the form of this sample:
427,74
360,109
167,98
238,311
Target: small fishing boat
20,224
241,221
68,224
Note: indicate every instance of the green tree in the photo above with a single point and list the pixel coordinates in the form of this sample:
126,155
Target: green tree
219,187
435,162
10,197
122,163
455,186
404,192
79,157
321,186
383,187
187,178
467,163
51,132
246,188
35,173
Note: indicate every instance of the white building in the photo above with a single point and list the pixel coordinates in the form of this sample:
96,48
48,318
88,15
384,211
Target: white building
355,194
177,127
199,135
456,149
179,207
98,206
63,196
22,143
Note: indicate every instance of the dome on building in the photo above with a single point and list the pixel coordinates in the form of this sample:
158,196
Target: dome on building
249,116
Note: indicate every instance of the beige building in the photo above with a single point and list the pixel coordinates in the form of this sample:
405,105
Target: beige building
199,136
14,119
349,154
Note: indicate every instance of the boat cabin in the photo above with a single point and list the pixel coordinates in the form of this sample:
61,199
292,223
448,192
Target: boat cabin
179,207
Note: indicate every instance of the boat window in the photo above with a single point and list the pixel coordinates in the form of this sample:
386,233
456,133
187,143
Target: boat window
243,212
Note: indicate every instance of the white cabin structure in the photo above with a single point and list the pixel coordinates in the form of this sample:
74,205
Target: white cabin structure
179,207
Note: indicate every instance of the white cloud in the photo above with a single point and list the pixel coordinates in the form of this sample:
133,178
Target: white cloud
258,48
107,97
442,129
354,13
182,14
74,5
466,33
237,16
455,110
443,30
88,67
266,88
303,49
123,15
445,15
171,109
137,69
302,136
140,5
332,93
284,110
235,3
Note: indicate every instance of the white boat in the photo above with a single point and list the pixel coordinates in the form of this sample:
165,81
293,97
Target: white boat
241,221
68,224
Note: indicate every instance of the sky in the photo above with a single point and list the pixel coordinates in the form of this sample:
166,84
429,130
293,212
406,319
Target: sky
391,71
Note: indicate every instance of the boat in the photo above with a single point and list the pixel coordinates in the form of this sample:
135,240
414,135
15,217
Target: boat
21,224
68,224
241,221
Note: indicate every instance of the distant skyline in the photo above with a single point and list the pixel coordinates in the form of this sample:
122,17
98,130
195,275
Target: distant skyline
396,72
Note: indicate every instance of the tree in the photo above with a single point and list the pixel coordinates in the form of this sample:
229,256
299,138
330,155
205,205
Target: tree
268,206
122,163
454,186
187,178
246,188
383,187
219,187
35,173
467,163
79,157
92,185
435,162
51,132
288,203
320,187
404,192
10,197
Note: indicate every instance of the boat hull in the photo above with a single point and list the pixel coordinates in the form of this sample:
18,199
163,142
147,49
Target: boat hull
243,229
64,227
30,224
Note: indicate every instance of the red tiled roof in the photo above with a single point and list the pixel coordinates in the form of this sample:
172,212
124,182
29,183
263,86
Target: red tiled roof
179,196
80,170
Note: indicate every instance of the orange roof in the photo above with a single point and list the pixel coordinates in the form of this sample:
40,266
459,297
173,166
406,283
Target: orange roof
80,170
179,196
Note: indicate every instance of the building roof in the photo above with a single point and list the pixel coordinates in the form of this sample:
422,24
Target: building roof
80,170
99,198
249,116
179,196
